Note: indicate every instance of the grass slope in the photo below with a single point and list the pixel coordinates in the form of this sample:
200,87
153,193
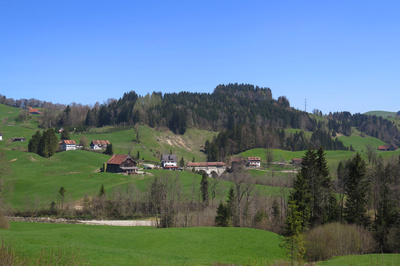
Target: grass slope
384,114
368,259
107,245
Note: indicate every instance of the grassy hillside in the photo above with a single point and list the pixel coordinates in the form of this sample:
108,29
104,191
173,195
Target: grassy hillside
153,143
384,114
107,245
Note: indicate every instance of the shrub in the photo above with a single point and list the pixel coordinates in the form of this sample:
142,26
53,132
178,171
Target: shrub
338,239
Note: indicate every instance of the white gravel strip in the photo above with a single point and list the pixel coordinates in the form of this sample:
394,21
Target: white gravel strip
119,222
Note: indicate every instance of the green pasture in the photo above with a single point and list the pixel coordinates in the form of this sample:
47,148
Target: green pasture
367,259
384,114
109,245
34,179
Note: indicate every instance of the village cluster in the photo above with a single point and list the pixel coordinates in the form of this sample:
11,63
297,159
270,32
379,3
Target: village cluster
120,163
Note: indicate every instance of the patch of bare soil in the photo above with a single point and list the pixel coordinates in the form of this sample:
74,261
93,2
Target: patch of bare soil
13,160
175,140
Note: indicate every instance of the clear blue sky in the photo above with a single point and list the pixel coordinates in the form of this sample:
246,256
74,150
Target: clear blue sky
339,55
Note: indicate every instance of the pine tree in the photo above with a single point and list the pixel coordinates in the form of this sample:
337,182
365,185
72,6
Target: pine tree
109,150
204,188
355,210
300,196
102,191
48,143
64,134
223,218
34,142
293,234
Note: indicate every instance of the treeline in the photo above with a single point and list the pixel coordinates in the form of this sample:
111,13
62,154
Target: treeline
368,198
243,137
370,125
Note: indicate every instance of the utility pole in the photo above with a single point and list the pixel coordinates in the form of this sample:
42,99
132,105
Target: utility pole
305,105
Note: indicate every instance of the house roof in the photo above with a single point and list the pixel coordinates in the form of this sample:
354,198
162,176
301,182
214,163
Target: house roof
69,142
100,142
383,147
33,111
205,164
168,158
118,159
253,159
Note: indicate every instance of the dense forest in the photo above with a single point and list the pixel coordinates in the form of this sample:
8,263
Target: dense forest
246,116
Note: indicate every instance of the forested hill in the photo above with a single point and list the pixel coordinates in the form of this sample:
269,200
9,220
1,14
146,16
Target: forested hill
227,105
247,117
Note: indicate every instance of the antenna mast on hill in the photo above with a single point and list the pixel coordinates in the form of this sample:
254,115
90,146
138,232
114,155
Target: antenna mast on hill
305,105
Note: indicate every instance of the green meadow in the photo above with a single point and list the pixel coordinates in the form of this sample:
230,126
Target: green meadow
109,245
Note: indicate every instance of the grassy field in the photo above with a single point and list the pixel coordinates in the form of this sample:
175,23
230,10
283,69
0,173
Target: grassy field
368,259
107,245
37,179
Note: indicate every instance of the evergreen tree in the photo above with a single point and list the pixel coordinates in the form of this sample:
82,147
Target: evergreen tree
48,143
204,188
109,150
223,218
293,231
34,142
355,210
300,196
64,134
102,191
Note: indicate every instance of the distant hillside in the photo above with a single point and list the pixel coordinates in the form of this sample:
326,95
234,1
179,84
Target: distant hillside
384,114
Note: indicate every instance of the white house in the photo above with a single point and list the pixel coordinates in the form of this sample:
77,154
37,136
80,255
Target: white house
1,136
99,144
68,145
253,162
169,161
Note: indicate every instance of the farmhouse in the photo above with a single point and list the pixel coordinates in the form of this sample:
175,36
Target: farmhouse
121,163
17,139
253,162
32,111
68,145
297,161
387,148
211,168
99,144
169,161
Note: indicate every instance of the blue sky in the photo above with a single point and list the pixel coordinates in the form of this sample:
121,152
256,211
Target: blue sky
337,55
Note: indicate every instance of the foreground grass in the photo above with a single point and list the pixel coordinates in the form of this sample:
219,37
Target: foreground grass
107,245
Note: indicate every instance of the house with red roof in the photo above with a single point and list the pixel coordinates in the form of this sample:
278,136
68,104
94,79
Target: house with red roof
32,111
99,144
121,163
253,162
68,145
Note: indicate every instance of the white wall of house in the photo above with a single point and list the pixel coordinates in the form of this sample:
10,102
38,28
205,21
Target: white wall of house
68,147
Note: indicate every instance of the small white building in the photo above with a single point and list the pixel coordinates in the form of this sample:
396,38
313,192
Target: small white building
68,145
1,136
253,162
169,162
99,144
